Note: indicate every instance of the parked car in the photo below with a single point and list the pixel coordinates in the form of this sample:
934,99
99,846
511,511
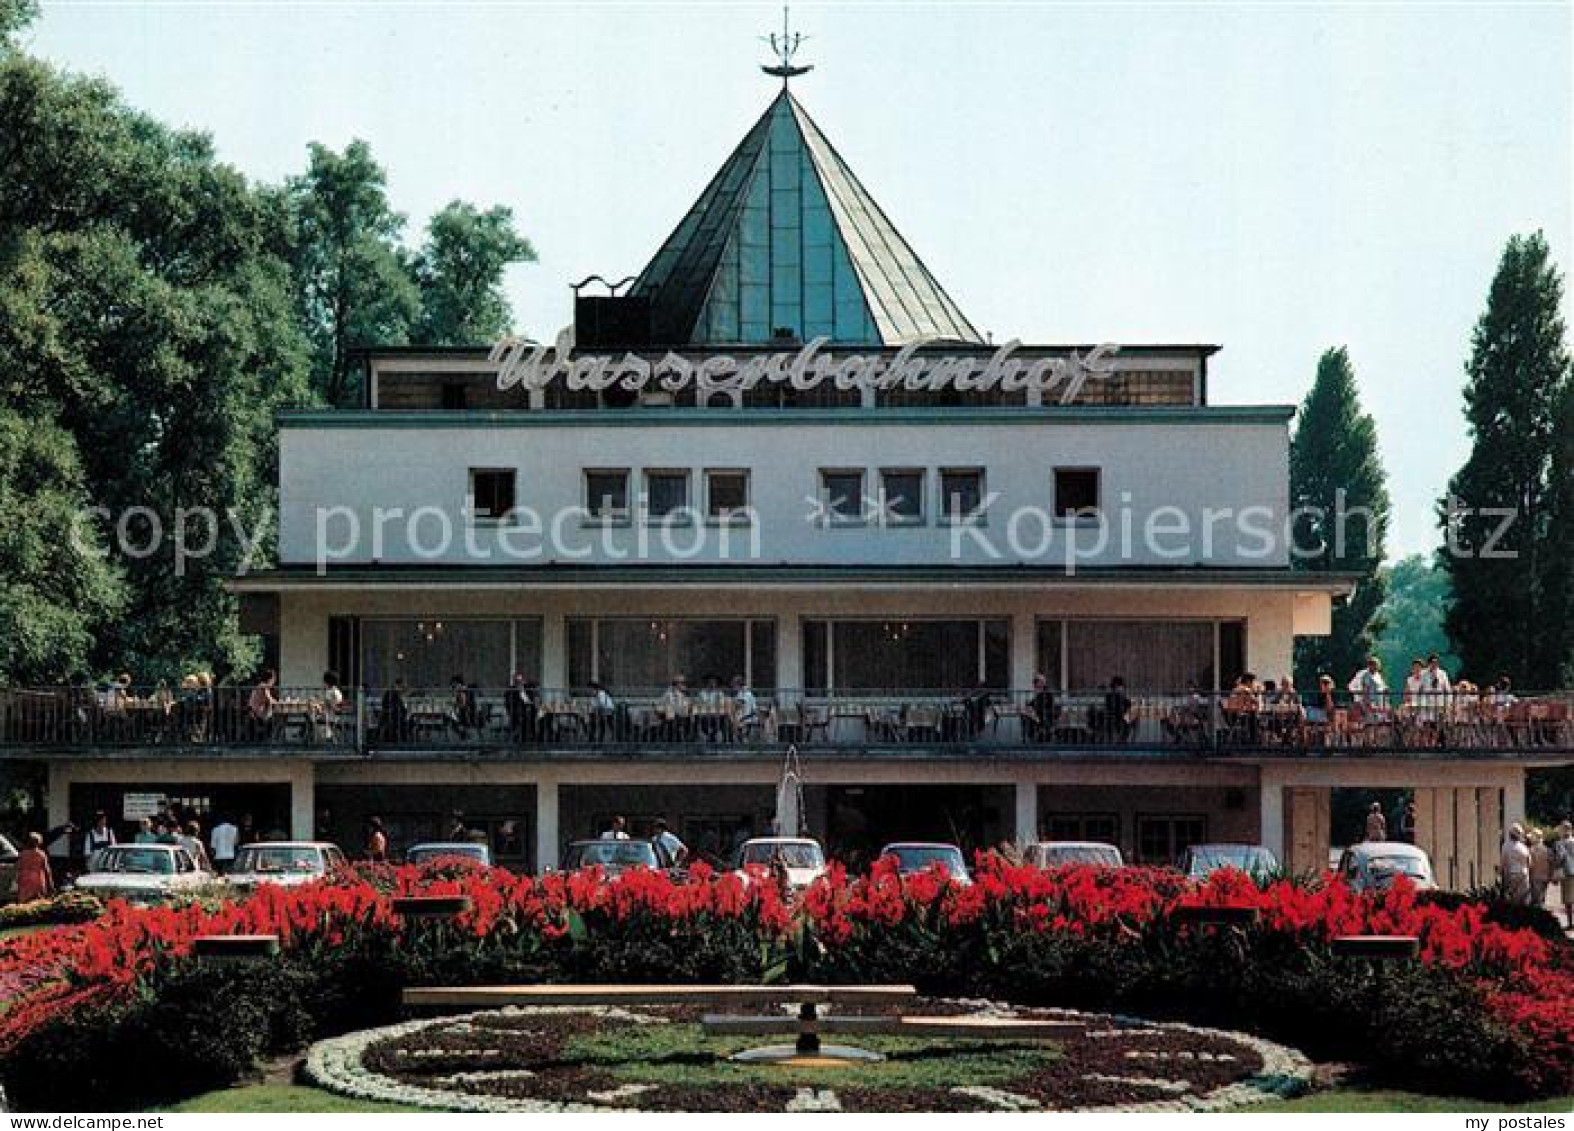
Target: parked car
1060,853
614,857
913,857
802,857
142,873
1202,860
437,850
1373,864
8,861
288,863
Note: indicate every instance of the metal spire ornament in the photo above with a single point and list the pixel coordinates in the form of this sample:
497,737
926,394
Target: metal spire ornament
785,46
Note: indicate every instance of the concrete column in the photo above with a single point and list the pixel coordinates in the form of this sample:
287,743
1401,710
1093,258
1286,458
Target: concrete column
1024,650
554,653
58,802
303,802
1027,812
789,651
1514,797
546,825
1271,822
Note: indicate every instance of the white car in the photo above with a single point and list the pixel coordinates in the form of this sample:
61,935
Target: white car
465,849
142,873
803,858
286,862
1062,853
914,856
1202,860
1373,864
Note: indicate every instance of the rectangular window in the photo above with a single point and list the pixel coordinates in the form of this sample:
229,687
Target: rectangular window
1161,840
1050,633
491,493
943,656
1153,657
901,496
607,494
427,652
666,493
1076,492
640,655
727,496
962,494
842,496
1101,827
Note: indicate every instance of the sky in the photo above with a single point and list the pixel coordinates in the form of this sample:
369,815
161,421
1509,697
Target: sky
1274,178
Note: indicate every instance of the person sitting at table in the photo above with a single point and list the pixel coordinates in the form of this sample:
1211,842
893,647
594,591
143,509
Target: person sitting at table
1242,707
260,707
1112,721
673,709
522,705
975,711
712,703
328,709
1042,712
1320,711
1503,694
746,709
462,715
394,719
1189,723
603,713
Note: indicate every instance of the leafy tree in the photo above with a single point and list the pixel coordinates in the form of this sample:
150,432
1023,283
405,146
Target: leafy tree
353,287
15,16
1509,615
56,587
1412,614
459,273
145,315
1340,495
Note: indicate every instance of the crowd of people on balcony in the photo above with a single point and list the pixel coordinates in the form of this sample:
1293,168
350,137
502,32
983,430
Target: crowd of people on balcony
1430,708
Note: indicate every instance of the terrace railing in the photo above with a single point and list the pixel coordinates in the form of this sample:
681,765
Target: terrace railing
369,721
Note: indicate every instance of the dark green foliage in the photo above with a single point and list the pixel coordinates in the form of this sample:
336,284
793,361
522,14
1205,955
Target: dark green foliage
1511,583
1339,489
1416,603
459,272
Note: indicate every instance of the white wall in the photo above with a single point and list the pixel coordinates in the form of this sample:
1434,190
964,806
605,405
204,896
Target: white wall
1190,464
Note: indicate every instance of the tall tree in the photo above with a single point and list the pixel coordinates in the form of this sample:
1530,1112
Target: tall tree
56,586
1339,493
459,273
1411,617
145,314
15,16
1498,517
353,286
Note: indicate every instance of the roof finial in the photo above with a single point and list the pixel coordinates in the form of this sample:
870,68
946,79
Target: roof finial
785,47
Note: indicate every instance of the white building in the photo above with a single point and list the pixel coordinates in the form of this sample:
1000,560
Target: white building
784,454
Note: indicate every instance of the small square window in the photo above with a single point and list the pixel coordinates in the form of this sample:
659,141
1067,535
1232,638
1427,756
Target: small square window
453,396
1076,492
727,496
666,493
491,493
842,496
902,496
607,494
962,494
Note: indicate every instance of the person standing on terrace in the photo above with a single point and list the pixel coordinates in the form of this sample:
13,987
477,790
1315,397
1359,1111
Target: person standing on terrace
1369,687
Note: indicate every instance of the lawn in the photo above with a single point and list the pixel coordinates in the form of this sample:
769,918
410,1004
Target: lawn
1351,1100
278,1098
294,1098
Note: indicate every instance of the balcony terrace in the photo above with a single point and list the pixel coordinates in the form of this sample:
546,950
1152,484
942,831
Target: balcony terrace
530,723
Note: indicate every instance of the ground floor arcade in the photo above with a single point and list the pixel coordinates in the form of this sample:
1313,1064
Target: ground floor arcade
529,811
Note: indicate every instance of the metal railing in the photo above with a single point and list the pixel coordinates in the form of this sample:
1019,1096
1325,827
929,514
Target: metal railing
369,720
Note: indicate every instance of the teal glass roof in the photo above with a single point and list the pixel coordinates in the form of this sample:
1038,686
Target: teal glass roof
785,238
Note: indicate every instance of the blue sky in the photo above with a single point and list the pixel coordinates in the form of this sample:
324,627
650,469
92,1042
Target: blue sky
1277,178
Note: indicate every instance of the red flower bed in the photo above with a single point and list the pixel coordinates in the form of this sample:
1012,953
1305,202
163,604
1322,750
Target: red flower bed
1523,982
